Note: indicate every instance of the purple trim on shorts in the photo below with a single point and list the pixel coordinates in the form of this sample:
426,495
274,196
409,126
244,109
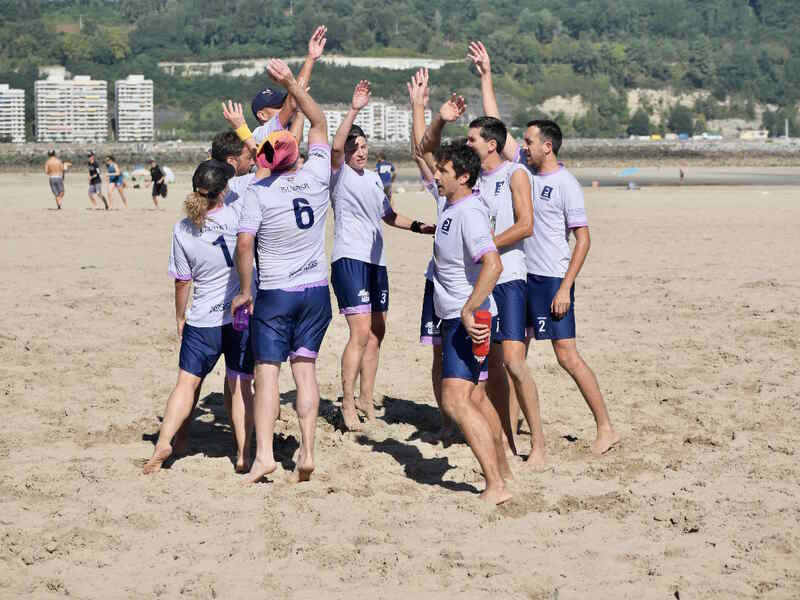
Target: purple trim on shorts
302,352
323,146
484,251
246,230
232,374
304,286
495,170
483,376
361,309
174,275
431,340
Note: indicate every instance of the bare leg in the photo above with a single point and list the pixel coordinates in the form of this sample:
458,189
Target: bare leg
459,406
304,371
351,365
265,412
498,391
155,201
369,365
569,359
448,430
239,404
93,200
179,406
121,195
181,441
59,199
525,386
492,416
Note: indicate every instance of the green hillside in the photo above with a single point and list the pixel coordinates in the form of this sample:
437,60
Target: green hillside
740,50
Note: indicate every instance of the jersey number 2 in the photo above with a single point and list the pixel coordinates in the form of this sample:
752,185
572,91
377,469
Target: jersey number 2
303,213
220,241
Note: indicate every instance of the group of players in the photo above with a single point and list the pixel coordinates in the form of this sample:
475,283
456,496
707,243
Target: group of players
255,242
56,170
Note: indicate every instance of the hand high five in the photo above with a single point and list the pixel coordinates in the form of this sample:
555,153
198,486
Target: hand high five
279,72
453,108
317,42
361,94
480,57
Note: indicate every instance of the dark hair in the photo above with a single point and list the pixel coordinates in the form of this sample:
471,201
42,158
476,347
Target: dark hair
226,145
51,153
109,157
491,129
208,182
464,159
350,143
304,155
549,130
381,155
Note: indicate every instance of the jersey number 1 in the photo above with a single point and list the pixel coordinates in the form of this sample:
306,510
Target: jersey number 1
303,213
220,241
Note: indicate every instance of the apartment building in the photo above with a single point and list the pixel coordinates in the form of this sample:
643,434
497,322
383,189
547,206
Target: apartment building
12,114
134,109
71,110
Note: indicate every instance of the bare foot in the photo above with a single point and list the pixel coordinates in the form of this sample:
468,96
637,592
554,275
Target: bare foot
606,439
350,418
367,408
160,454
497,496
242,464
537,459
305,466
259,470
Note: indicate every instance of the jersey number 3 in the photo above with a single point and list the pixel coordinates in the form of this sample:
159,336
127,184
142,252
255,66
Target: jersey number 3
220,241
303,213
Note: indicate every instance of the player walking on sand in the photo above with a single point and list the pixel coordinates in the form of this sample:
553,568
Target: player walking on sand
285,215
551,267
54,169
95,182
358,268
114,181
201,254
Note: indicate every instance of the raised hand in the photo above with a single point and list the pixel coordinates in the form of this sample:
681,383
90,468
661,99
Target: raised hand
317,42
480,57
418,91
453,108
233,114
361,94
279,72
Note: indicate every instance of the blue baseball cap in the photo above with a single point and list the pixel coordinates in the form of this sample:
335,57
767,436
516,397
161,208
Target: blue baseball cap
269,97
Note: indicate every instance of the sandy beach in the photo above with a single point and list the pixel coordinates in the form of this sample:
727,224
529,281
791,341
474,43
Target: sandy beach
687,310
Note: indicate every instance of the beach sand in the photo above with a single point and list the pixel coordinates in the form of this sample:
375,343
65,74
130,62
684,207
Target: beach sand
687,312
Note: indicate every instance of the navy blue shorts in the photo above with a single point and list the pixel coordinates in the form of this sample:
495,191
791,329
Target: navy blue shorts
201,348
290,324
511,317
458,362
360,287
542,325
430,332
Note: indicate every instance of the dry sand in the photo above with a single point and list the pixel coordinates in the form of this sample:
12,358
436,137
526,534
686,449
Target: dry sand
687,311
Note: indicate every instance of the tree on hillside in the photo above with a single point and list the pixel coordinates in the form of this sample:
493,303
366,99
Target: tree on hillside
640,123
680,119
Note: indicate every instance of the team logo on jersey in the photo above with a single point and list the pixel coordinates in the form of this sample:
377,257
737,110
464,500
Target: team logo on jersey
498,186
363,296
446,225
547,192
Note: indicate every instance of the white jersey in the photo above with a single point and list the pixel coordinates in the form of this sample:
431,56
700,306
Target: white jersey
206,258
287,213
359,205
237,186
262,132
462,237
430,186
495,191
557,208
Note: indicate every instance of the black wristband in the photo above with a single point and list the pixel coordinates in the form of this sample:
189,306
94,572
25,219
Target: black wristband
416,227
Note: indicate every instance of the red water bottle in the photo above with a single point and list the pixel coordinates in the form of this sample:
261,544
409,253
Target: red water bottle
241,318
482,317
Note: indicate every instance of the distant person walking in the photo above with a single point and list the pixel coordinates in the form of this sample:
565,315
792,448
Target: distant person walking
159,180
386,172
95,182
54,169
114,181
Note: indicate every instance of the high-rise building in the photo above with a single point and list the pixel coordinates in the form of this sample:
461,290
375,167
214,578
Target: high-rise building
12,114
381,122
71,110
134,109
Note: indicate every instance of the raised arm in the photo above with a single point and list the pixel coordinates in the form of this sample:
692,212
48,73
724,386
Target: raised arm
297,127
480,58
361,96
232,112
418,95
316,45
451,110
280,73
523,211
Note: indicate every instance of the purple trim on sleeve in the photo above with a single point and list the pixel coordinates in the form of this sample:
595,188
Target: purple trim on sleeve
576,225
323,146
484,251
304,286
302,352
232,374
174,275
431,340
361,309
247,230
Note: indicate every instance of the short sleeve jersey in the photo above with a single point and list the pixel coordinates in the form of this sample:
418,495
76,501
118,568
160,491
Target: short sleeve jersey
206,258
359,204
462,237
94,174
557,208
495,191
287,212
430,186
262,132
237,186
385,170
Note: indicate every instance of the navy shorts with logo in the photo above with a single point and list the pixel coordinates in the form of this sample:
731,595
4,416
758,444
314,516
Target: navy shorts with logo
201,348
542,325
290,324
360,287
458,362
430,332
511,317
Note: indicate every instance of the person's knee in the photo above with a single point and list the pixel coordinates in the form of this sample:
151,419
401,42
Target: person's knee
568,357
516,368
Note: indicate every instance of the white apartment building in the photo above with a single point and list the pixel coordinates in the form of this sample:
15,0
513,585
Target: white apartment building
134,109
71,110
12,114
381,122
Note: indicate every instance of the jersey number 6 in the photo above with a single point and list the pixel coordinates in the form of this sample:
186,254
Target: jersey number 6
303,213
